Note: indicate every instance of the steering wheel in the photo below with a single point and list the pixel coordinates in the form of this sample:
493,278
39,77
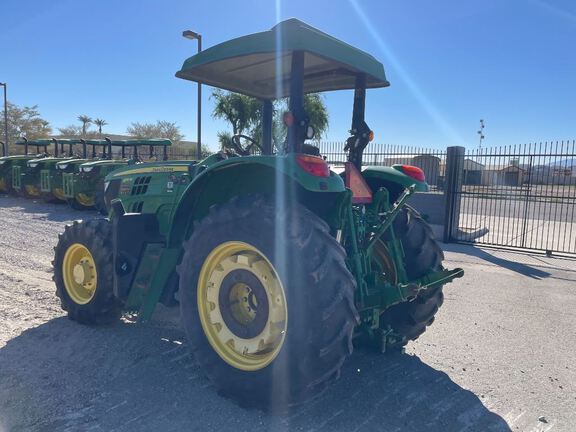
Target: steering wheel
245,151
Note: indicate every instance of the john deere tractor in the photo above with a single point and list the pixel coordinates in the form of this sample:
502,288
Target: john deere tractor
277,263
69,168
83,181
40,178
11,164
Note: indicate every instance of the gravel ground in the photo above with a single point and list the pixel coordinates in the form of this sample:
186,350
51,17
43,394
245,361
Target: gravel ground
499,357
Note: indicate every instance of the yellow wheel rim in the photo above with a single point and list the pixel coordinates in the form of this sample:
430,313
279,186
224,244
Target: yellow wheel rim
85,200
242,306
32,190
59,194
79,273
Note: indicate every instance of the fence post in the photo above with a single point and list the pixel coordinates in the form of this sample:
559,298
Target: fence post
453,192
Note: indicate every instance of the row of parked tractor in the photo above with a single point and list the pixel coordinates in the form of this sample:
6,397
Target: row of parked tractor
72,170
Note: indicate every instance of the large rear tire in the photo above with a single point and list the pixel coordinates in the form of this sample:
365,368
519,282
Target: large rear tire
285,337
83,272
422,256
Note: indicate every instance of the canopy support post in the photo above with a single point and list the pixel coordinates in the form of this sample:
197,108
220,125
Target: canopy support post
267,111
360,132
296,102
109,155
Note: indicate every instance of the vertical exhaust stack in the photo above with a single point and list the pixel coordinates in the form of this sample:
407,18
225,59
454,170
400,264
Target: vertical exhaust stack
55,141
84,149
109,155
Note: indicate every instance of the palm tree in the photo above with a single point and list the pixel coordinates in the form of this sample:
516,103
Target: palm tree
85,120
100,123
244,115
240,111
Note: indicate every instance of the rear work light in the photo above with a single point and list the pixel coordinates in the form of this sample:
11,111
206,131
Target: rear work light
412,172
313,165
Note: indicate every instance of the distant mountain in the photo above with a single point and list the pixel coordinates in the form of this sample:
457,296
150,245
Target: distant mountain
566,163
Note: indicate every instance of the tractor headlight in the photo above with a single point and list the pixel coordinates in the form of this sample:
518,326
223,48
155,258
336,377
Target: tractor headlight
87,169
62,167
2,162
33,165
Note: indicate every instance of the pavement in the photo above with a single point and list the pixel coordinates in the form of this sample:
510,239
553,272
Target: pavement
499,356
511,231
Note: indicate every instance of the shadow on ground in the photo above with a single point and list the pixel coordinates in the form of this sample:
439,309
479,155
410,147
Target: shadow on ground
515,266
63,376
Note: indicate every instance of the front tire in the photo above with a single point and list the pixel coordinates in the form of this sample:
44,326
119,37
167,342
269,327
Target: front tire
83,272
294,343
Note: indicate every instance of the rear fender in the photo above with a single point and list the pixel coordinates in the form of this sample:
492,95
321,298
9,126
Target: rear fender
268,175
391,179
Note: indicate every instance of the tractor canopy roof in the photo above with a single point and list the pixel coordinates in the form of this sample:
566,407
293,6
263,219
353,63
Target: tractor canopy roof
38,142
67,141
150,141
130,143
248,64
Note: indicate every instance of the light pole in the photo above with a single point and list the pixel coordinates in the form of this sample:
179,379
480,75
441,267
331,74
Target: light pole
481,133
189,34
5,120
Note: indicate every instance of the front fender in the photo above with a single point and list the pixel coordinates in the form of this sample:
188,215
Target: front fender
279,176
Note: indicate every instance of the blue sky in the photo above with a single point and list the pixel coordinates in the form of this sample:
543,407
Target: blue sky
450,63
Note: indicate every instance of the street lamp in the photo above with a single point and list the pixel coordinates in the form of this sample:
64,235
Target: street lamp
5,121
189,34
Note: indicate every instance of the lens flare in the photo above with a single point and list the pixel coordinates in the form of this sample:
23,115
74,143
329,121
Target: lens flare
391,59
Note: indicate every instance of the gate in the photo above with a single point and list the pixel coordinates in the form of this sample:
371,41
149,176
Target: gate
520,197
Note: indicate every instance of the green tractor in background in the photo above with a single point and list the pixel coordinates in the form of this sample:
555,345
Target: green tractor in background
40,178
278,263
83,182
70,168
9,164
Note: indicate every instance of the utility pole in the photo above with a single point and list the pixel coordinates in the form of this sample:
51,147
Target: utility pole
481,133
5,120
189,34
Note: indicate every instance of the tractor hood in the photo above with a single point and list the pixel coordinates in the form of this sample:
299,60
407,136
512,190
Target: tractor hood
248,64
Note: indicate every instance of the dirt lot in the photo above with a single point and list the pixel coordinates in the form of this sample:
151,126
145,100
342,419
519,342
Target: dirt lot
500,356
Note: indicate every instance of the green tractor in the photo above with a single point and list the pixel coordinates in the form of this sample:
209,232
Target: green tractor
40,178
279,265
67,169
9,164
83,182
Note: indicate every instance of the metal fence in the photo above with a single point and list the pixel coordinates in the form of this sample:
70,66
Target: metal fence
178,153
521,196
431,161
